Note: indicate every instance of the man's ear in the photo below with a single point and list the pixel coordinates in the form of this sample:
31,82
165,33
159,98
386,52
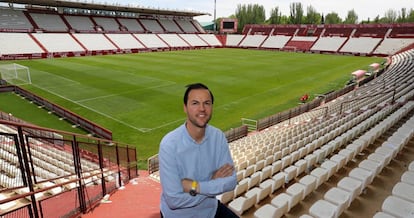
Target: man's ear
185,108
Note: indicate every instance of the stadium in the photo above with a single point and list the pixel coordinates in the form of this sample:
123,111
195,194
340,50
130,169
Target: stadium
88,90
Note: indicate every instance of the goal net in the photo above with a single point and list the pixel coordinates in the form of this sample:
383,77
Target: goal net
290,48
15,74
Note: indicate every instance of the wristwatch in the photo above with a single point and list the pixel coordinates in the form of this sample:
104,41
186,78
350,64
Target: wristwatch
193,190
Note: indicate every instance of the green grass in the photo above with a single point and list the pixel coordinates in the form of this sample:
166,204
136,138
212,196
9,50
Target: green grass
139,96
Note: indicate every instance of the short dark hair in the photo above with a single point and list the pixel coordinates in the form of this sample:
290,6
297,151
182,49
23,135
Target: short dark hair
196,86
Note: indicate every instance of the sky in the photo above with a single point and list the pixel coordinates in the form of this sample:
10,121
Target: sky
224,8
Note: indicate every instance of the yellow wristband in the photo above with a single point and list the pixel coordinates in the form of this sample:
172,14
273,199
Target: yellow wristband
194,185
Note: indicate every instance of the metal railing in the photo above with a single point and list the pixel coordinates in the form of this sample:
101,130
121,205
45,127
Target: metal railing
41,168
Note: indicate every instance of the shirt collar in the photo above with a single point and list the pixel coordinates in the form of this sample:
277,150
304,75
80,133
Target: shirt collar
188,136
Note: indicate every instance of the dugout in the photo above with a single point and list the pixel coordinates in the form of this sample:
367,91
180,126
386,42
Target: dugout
373,69
357,76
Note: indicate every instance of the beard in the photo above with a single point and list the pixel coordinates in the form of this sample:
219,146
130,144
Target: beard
195,122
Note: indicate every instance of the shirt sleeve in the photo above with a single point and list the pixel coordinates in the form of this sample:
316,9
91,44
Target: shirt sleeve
218,186
173,192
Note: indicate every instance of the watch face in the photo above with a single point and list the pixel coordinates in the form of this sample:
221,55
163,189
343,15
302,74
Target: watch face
193,192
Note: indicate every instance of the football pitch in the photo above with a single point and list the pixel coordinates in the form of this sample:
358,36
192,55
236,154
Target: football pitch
139,97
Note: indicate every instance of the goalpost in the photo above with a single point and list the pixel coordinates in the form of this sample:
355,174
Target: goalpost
290,48
15,74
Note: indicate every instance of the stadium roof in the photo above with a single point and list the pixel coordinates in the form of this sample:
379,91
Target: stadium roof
108,7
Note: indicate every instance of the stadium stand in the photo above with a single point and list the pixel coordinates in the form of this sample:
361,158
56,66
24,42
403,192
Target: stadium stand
41,167
93,34
325,160
363,39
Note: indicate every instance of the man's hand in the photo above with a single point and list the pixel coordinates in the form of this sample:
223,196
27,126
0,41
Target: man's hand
224,171
186,183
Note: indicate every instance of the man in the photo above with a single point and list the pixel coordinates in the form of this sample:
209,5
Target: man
195,162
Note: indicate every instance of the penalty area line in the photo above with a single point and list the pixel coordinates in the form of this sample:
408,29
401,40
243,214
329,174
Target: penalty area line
96,111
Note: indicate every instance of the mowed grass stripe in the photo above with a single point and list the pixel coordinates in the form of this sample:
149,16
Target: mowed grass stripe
145,90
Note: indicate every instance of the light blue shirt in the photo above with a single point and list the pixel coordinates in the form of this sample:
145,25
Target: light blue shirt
181,157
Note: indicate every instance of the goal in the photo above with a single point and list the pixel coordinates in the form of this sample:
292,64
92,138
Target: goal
290,48
15,74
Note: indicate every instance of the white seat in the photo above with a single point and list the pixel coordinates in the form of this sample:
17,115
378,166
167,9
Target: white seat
261,193
295,156
353,186
301,165
340,159
276,167
8,205
269,160
356,147
408,177
362,175
241,187
240,175
398,207
404,191
386,152
268,211
303,151
338,197
259,165
277,155
395,149
297,192
26,190
381,159
279,179
267,182
320,155
411,166
306,216
349,154
285,152
281,201
382,215
291,173
241,204
254,180
330,166
250,170
53,191
225,197
311,159
321,176
266,173
286,161
242,165
323,209
370,165
309,182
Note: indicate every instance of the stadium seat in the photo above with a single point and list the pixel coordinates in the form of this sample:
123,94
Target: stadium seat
338,197
323,209
268,210
353,186
398,207
242,204
404,191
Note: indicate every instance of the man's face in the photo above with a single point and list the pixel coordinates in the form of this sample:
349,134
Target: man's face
199,108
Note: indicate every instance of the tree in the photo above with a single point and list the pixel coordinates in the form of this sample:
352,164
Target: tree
403,16
250,14
312,16
296,13
332,18
390,16
275,16
351,18
410,17
377,19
